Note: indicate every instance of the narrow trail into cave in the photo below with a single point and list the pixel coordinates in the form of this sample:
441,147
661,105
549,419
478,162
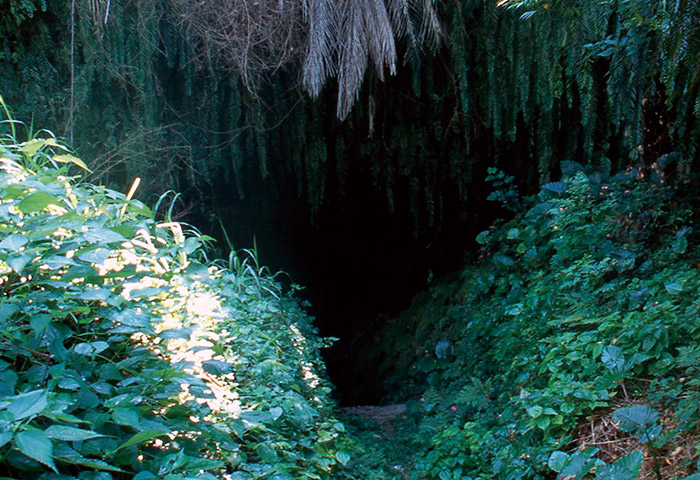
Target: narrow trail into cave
387,434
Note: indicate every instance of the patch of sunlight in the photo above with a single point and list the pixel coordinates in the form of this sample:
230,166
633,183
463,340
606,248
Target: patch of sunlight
130,288
204,305
299,341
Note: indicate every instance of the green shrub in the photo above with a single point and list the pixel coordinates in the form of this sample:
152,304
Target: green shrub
586,299
124,354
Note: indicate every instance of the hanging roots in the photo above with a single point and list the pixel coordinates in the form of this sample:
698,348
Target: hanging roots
325,38
251,38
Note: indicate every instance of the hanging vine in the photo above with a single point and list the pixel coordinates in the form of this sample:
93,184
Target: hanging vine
157,91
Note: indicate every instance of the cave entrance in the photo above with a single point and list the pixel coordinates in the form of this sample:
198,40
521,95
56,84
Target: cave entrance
359,263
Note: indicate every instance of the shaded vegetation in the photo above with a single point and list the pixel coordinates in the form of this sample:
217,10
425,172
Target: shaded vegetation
581,310
567,349
124,353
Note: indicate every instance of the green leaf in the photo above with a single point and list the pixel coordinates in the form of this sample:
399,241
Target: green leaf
673,287
68,158
142,437
31,147
145,475
93,463
613,358
132,318
483,237
542,422
445,475
70,434
503,260
555,187
579,465
18,263
83,349
558,460
14,242
98,255
5,437
126,416
635,417
28,404
535,411
276,412
343,457
37,446
625,468
103,236
267,453
37,201
680,245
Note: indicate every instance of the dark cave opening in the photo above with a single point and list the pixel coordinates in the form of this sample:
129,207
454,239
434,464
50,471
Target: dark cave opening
359,262
362,253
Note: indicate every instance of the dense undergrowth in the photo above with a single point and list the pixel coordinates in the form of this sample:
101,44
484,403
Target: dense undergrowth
125,353
569,349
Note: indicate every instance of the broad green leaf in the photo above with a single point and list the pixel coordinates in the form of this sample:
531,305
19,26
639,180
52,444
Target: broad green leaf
142,437
342,457
98,255
94,294
96,464
145,475
126,416
217,367
132,318
8,381
70,434
14,242
503,260
483,237
625,468
555,187
535,411
673,287
578,466
100,346
680,245
40,323
558,460
28,404
5,437
612,358
542,422
18,263
103,235
635,417
7,310
31,147
83,349
68,158
37,446
276,412
51,142
37,201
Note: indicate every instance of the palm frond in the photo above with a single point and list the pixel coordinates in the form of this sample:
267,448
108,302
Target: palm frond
353,56
380,37
321,47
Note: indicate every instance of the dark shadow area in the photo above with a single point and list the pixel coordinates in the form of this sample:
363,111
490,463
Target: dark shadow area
359,263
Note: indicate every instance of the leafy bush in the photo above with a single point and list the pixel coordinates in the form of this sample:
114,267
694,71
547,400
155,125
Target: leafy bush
584,302
125,354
